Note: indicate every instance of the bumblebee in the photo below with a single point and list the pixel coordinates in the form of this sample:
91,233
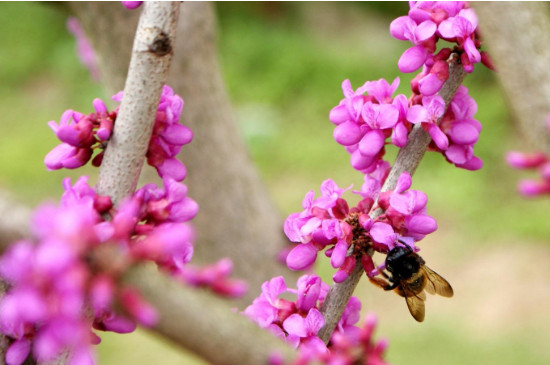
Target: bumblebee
409,278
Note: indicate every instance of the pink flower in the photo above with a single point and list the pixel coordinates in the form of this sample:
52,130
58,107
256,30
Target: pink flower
85,50
406,211
132,4
432,109
215,277
297,322
462,27
364,122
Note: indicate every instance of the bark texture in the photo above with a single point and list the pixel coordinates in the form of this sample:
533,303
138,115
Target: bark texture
150,62
14,222
517,35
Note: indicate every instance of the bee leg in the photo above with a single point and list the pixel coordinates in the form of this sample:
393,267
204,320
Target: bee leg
381,283
389,284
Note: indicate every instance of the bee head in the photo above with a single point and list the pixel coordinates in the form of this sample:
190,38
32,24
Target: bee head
402,262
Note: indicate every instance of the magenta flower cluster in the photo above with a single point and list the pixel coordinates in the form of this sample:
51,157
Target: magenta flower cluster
427,23
297,322
367,120
84,48
82,134
349,348
65,283
364,123
56,297
215,276
457,132
348,234
538,161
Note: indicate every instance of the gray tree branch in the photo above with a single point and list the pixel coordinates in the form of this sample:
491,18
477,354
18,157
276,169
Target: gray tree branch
517,35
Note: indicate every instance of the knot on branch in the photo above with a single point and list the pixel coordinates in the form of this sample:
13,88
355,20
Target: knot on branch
161,45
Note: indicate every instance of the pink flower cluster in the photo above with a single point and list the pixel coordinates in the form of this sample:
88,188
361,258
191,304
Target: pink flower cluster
82,134
84,49
457,132
349,234
52,288
364,122
297,322
349,348
214,276
537,161
64,284
427,23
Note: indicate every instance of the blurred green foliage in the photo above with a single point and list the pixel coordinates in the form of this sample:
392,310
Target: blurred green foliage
283,64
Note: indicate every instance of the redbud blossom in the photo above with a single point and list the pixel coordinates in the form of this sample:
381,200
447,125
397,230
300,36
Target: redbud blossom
297,322
349,234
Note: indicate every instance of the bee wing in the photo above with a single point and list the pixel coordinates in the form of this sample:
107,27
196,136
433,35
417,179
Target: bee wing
415,302
436,284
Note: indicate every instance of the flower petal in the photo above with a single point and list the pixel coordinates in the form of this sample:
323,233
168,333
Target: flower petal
302,256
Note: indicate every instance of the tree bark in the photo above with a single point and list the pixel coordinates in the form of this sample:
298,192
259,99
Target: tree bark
517,36
14,224
236,218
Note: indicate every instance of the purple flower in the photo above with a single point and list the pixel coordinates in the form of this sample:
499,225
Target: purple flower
132,4
168,244
170,204
405,28
364,122
463,131
317,226
305,328
406,211
432,109
214,276
85,50
462,27
381,89
297,322
67,156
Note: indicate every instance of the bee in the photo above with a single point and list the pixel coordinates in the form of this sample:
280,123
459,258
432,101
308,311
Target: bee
409,278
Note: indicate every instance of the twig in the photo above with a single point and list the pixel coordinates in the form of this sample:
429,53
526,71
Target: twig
408,159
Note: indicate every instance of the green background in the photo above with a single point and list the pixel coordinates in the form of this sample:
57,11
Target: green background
283,64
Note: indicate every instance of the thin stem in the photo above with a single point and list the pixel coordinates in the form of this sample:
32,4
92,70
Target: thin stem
408,159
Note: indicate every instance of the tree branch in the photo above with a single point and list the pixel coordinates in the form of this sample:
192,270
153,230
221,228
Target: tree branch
221,176
408,159
517,35
15,227
187,316
147,74
190,315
